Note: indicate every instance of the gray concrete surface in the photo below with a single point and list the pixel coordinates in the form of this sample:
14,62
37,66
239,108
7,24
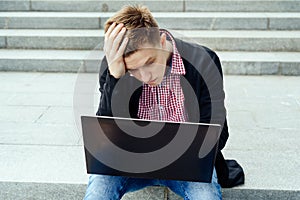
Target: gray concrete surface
62,191
104,6
170,20
54,22
2,42
244,40
222,40
269,29
41,147
243,6
15,5
234,63
42,191
155,5
41,143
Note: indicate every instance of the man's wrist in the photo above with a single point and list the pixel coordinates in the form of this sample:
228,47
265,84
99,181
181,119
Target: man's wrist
116,76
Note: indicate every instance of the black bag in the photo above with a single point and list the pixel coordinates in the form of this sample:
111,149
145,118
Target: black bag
229,172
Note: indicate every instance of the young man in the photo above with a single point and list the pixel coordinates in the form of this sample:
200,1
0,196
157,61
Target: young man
137,50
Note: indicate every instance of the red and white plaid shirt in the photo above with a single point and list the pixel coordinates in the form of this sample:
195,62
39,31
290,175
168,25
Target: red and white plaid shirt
165,101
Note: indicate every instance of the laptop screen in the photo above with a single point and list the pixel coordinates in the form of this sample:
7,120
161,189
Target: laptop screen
150,149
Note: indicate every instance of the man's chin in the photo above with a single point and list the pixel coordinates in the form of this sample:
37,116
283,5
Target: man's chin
152,84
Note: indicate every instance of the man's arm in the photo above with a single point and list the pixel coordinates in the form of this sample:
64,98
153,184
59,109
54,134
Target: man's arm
114,47
221,105
112,66
204,74
213,95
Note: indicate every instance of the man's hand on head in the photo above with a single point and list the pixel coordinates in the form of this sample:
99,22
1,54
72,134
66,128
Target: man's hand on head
114,49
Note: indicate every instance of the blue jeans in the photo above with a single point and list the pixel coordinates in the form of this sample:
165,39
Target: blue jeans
102,187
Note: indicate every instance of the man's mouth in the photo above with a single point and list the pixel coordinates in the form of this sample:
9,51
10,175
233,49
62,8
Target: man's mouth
152,82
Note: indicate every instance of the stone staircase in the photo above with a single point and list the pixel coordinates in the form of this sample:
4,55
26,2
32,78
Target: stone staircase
251,37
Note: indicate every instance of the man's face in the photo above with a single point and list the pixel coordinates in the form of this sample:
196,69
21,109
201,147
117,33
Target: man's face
148,65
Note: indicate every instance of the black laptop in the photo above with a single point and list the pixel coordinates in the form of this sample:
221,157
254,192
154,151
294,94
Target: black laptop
150,149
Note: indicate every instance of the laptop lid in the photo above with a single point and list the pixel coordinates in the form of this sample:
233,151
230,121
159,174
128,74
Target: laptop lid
149,149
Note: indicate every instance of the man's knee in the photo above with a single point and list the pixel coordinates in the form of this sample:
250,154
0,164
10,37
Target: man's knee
104,187
207,191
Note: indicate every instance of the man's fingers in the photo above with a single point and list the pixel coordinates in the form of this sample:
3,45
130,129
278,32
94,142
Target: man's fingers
119,53
115,32
123,46
109,42
117,40
110,29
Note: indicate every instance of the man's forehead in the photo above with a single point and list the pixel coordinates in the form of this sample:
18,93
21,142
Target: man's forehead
140,57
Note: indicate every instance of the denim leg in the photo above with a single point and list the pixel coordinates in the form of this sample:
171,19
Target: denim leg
103,187
197,190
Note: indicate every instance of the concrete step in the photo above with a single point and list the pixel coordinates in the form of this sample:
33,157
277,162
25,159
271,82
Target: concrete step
52,191
170,20
154,5
91,39
50,60
42,156
242,63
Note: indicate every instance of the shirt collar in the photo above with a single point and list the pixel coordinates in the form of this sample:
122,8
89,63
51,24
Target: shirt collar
177,66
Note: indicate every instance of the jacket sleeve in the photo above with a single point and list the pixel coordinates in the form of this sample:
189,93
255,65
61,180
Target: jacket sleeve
215,94
205,74
208,86
230,173
107,83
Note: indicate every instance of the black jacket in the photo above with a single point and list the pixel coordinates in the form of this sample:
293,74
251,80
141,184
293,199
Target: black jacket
203,78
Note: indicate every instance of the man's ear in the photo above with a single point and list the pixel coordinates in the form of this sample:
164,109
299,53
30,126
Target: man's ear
163,40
